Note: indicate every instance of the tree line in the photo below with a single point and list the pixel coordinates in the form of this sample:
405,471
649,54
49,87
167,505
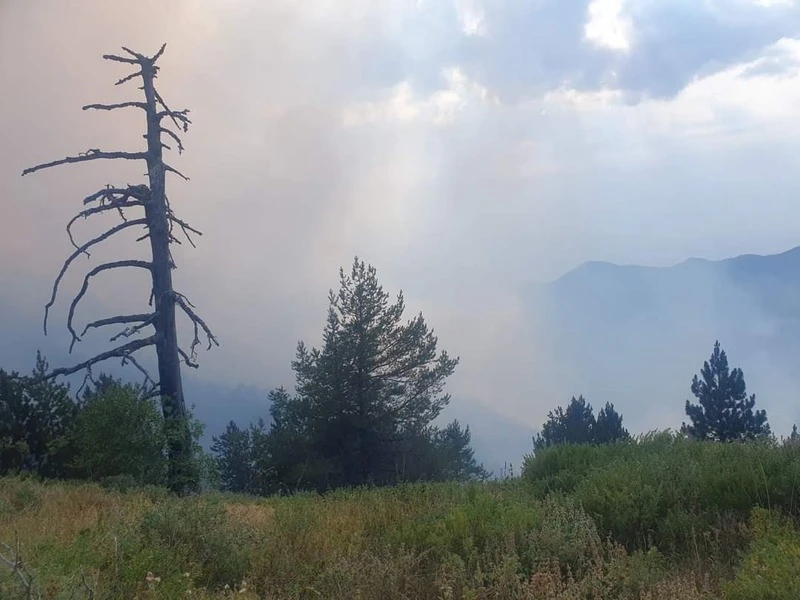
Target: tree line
362,413
724,412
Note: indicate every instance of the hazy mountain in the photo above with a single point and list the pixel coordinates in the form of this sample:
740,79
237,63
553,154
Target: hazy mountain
635,335
632,335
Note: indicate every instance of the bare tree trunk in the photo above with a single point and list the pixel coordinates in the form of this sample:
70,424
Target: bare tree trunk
169,369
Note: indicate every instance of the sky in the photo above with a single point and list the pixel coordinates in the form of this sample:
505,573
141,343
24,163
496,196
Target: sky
465,148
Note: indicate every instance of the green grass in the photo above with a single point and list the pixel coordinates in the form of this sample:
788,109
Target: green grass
657,519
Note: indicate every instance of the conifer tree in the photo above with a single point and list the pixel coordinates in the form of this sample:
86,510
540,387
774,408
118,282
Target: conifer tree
37,417
375,383
608,427
234,454
571,426
724,411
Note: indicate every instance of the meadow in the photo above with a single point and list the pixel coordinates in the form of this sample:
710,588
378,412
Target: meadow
656,518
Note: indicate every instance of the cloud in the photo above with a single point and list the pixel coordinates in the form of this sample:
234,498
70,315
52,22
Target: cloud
463,148
650,49
606,26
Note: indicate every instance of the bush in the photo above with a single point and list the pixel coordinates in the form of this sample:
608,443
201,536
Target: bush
771,567
120,435
667,491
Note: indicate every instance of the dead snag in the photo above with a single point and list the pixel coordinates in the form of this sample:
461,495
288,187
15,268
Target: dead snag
158,222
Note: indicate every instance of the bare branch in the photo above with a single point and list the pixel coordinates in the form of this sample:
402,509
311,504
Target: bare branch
129,359
80,251
141,105
188,361
92,154
121,59
129,331
88,378
118,320
175,115
85,584
159,53
141,192
175,137
119,264
14,562
184,298
129,77
119,352
185,227
181,301
115,205
140,57
178,173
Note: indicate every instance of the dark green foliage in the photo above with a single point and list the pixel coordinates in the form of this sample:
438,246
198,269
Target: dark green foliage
234,454
455,458
667,491
578,425
363,406
37,417
608,427
375,381
439,455
119,433
725,412
571,426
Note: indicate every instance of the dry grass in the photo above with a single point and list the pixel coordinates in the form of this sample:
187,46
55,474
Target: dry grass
426,541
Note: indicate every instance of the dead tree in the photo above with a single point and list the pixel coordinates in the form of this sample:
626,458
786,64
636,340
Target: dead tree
159,223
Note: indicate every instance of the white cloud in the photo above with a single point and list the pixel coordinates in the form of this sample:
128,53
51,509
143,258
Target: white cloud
471,17
403,105
607,26
774,3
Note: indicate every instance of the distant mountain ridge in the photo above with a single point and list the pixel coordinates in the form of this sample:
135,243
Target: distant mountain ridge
637,334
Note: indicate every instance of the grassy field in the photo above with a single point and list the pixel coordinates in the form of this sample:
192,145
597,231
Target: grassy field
658,519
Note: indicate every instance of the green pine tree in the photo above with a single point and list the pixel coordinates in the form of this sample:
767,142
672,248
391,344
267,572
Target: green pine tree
724,411
37,417
575,425
375,383
233,452
608,426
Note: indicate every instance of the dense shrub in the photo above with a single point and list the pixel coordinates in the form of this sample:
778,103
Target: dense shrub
667,491
771,568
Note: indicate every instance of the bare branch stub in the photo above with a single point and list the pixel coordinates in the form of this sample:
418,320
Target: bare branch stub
119,264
